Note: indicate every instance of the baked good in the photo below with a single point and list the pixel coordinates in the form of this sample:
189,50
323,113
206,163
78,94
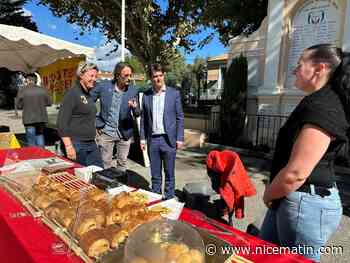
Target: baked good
94,243
84,225
196,256
43,201
97,194
138,260
43,180
113,216
67,217
175,250
121,200
110,233
54,209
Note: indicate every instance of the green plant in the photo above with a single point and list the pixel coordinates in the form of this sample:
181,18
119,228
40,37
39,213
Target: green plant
233,102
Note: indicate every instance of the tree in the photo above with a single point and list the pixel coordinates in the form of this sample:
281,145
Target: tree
199,70
136,64
233,17
176,71
233,102
153,31
11,13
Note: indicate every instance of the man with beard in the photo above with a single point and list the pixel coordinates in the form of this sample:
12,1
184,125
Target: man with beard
114,123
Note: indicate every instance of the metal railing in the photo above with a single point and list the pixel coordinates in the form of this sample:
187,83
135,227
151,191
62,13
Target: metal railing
261,130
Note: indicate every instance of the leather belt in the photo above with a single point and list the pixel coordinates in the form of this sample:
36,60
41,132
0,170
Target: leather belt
319,190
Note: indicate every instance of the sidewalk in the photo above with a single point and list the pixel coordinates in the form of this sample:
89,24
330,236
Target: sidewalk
190,167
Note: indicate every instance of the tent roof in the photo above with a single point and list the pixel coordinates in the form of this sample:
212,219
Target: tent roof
25,50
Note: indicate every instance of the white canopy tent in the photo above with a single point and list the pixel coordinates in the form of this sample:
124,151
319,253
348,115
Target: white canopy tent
24,50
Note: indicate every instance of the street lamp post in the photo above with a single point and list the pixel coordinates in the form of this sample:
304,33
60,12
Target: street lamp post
123,32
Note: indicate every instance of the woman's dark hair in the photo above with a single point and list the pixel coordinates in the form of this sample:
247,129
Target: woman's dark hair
339,63
118,69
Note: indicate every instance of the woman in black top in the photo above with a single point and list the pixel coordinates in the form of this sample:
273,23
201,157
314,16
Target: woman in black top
303,200
76,118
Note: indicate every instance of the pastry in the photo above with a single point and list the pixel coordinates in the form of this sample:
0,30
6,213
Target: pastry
54,209
138,260
66,217
196,256
97,194
94,243
43,201
113,216
84,225
111,232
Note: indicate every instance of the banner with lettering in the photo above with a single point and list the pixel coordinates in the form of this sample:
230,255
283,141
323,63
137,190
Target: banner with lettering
59,76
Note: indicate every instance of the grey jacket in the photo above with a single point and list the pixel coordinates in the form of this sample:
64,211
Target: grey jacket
33,101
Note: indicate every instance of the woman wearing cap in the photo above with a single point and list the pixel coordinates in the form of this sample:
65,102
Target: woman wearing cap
303,199
76,118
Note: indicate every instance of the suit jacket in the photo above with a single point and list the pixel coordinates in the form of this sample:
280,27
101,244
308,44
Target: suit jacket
104,91
173,117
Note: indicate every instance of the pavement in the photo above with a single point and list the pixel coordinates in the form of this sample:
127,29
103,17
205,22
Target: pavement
190,168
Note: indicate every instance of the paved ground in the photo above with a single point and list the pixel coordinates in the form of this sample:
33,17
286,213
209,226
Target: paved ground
190,167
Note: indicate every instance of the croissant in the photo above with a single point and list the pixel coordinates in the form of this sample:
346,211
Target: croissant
94,243
111,233
84,225
66,217
54,209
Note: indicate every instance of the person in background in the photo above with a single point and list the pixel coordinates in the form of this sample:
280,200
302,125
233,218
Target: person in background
114,123
76,118
162,125
303,200
34,99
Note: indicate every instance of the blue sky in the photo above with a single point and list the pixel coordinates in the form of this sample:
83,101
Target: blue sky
58,27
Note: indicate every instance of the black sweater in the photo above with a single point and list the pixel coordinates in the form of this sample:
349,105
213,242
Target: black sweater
76,118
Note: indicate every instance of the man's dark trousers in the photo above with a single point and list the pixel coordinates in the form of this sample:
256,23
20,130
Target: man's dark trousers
160,152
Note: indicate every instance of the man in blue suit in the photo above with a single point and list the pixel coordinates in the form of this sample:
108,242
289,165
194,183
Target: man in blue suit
162,126
114,123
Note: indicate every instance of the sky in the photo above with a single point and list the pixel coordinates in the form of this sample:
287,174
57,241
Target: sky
58,27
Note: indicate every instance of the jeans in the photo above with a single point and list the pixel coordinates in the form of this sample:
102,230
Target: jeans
87,153
304,220
35,135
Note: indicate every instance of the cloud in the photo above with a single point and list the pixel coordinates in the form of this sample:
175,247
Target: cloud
52,26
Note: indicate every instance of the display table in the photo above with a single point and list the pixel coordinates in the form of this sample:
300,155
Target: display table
26,239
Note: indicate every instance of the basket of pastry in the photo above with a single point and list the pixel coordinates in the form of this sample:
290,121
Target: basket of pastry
102,225
164,241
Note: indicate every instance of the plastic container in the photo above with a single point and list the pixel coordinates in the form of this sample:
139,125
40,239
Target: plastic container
164,241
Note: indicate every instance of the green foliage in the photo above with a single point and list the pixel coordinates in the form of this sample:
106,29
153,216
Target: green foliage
233,102
136,64
199,70
233,17
176,71
11,13
153,34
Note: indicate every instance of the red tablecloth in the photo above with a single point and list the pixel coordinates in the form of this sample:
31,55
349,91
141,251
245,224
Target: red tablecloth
25,239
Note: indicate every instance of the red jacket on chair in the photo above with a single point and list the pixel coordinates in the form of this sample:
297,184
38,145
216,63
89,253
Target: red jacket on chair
235,183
